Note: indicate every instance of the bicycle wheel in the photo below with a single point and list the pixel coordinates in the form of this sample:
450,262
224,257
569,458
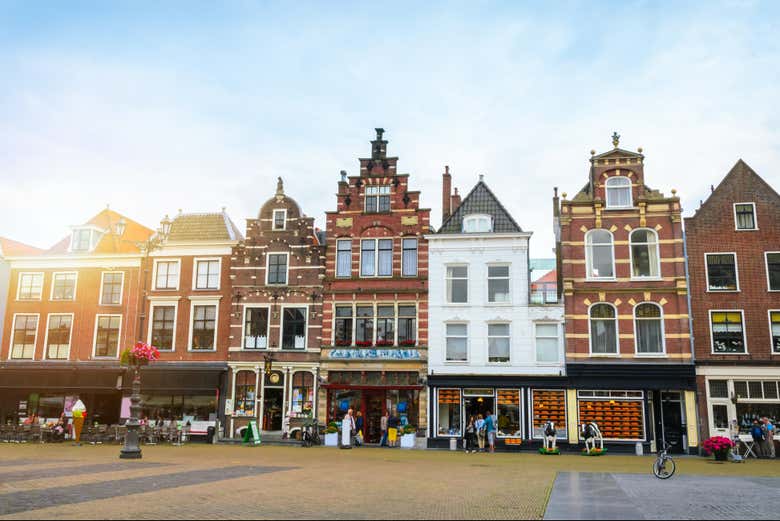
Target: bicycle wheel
664,468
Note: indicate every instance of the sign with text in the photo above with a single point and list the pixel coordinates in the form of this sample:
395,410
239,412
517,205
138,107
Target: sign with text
374,354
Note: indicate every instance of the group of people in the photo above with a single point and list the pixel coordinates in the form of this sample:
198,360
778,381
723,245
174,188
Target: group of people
352,429
479,430
763,433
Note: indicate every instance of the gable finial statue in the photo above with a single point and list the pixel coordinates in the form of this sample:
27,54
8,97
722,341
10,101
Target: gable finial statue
279,187
615,139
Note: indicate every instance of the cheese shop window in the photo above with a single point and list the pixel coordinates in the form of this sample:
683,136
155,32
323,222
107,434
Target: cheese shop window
549,405
619,414
449,412
508,412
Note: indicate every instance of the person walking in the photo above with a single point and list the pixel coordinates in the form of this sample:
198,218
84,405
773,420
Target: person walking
757,432
479,425
392,429
769,438
471,436
490,431
347,430
383,428
359,429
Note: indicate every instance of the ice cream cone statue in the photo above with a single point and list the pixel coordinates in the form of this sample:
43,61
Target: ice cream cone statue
79,414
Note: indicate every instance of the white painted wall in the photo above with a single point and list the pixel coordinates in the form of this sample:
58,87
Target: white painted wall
478,251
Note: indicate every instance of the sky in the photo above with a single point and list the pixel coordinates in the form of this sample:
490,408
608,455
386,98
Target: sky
159,106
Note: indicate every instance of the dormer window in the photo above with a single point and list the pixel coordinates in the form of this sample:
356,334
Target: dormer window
280,219
84,239
477,224
619,192
377,199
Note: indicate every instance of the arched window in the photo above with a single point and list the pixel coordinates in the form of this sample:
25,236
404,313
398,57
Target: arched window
599,255
619,192
644,253
477,223
603,329
649,329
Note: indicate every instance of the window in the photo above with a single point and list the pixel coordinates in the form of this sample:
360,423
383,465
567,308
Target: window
367,258
364,326
599,255
204,327
207,274
727,333
498,343
449,412
718,389
385,257
163,326
294,328
256,328
618,192
343,258
457,342
303,392
111,288
644,254
58,337
774,326
720,416
603,330
376,263
547,343
30,286
277,268
107,335
745,216
343,332
649,328
385,325
377,199
722,271
24,336
773,270
477,224
63,286
167,275
409,258
498,284
457,284
508,413
245,393
407,325
81,240
280,219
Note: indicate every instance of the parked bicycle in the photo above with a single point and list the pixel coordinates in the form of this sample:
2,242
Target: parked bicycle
310,433
664,466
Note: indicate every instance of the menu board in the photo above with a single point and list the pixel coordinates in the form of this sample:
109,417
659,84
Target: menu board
617,419
549,406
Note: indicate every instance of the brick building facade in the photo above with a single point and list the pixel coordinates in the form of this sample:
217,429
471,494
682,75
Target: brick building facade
375,314
621,258
733,244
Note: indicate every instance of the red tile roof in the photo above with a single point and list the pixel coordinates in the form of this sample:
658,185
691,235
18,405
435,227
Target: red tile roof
110,243
11,248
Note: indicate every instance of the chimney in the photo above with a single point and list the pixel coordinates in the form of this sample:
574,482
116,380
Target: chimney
455,201
446,190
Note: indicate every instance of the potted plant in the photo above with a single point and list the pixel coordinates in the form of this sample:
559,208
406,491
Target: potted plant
384,343
343,343
408,343
332,435
363,343
408,436
719,446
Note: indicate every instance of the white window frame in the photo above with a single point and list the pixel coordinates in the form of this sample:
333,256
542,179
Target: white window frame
755,218
305,327
203,302
162,304
630,187
267,328
273,220
559,337
660,354
468,342
588,260
118,338
349,275
488,336
417,252
19,286
46,336
769,320
631,255
712,333
435,429
268,268
560,434
766,267
195,263
13,330
476,217
380,189
121,288
154,274
95,234
447,278
488,278
376,274
707,272
53,283
616,354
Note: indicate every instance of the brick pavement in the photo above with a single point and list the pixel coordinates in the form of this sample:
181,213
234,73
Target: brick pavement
309,483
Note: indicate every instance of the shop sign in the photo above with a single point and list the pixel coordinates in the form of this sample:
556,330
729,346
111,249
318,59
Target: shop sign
375,354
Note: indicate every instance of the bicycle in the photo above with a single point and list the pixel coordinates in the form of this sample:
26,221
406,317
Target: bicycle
664,466
310,434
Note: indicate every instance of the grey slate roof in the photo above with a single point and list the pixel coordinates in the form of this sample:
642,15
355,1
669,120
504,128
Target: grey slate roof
481,200
203,227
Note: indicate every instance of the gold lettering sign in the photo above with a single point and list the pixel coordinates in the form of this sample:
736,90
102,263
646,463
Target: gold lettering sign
344,222
409,221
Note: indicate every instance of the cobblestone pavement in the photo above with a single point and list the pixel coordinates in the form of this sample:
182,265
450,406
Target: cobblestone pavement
589,495
200,481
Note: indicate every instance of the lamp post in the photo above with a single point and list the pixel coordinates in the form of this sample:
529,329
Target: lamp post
132,447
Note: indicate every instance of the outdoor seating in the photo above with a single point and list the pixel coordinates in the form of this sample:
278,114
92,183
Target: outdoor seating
749,443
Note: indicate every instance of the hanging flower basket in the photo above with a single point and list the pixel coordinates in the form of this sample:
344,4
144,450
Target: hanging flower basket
138,355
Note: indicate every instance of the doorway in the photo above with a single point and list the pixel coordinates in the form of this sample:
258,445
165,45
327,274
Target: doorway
272,409
672,421
474,406
375,407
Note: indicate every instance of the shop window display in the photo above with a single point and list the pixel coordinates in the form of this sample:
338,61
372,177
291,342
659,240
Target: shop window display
245,394
549,406
180,408
619,415
508,412
449,412
303,392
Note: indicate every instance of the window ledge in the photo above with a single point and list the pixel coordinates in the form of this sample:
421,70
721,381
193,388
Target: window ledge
604,355
723,291
731,354
651,355
604,279
201,350
646,279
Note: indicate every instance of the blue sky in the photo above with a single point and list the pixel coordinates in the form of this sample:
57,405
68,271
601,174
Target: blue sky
167,105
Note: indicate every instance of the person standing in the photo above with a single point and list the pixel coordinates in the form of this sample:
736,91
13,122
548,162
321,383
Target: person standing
490,430
757,432
383,428
347,430
479,425
769,438
359,428
392,429
471,436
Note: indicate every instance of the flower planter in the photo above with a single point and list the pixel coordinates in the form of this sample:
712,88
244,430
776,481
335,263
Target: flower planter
408,441
332,439
722,456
